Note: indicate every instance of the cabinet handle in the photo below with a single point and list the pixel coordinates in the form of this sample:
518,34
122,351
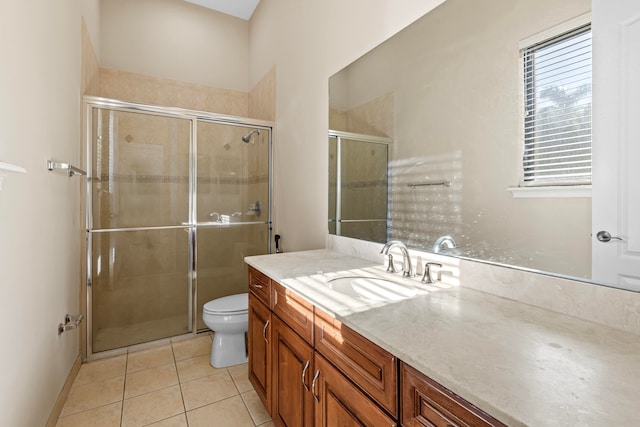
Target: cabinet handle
255,285
264,331
313,386
304,375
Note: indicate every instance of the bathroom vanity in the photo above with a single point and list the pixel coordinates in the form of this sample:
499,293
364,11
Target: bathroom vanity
321,354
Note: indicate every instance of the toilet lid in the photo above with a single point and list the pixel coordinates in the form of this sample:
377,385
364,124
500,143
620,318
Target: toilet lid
229,304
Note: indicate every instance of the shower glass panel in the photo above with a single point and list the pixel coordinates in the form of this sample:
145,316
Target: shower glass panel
140,170
233,207
139,245
358,186
140,287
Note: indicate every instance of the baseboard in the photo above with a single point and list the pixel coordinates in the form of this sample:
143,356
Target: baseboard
64,393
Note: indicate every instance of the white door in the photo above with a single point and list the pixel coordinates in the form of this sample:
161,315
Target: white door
616,142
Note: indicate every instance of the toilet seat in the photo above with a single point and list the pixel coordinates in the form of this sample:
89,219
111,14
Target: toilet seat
229,305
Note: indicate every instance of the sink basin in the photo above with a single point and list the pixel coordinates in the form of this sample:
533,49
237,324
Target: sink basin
371,288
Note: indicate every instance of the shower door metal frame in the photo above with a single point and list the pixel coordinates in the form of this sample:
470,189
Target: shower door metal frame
340,135
90,103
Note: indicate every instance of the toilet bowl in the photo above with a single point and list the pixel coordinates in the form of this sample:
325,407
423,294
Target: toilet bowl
228,318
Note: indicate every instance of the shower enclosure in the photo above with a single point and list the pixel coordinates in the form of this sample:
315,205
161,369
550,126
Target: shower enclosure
358,185
175,200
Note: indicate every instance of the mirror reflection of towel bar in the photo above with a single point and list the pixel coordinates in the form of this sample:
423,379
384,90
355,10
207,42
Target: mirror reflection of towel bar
71,170
428,183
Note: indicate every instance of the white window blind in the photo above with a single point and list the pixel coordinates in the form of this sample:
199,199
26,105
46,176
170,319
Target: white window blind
557,122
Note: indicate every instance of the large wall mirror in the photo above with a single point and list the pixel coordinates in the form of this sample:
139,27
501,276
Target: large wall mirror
447,92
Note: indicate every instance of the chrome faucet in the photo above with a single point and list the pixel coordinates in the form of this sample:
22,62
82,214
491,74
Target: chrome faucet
407,268
428,272
443,244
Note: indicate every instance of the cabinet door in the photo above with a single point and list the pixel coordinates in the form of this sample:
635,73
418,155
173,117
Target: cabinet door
292,402
339,403
426,403
259,343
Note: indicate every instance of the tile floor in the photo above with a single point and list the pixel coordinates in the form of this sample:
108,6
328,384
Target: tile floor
168,386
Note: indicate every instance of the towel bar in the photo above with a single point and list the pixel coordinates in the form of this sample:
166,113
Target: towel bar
72,170
424,184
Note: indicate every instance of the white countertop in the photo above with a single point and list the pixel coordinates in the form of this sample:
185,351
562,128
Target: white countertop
524,365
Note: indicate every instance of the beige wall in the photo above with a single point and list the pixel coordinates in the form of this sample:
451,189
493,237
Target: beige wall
176,40
307,42
90,84
40,43
90,10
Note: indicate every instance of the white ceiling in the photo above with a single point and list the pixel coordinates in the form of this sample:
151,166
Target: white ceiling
239,8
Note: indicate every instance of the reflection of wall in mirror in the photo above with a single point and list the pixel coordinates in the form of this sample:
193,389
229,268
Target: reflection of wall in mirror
456,116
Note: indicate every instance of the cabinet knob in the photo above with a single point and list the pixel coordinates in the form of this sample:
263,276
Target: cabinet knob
264,331
257,286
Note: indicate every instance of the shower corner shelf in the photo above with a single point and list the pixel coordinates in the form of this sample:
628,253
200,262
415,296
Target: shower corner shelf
8,167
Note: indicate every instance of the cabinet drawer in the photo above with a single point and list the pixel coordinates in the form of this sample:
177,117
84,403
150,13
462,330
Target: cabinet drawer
293,310
427,403
339,403
373,369
260,286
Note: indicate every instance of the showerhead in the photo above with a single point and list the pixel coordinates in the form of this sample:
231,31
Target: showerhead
247,138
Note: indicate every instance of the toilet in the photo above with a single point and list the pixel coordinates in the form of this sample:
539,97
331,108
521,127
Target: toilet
228,318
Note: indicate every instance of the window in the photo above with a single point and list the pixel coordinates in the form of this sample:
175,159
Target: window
557,115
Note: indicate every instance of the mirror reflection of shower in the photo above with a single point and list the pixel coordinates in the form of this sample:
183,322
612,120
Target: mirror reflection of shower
247,138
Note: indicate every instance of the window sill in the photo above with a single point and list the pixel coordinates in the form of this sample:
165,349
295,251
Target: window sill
554,191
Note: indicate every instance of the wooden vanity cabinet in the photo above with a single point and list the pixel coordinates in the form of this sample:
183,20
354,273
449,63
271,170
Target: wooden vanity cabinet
311,370
293,367
338,402
373,369
260,349
426,403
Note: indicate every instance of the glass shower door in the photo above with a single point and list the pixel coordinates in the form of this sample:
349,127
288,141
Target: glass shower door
139,228
358,186
233,207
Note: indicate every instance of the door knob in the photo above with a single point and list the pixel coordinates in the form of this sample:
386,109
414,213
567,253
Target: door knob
605,236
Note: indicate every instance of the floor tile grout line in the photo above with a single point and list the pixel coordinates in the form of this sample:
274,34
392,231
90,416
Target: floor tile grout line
164,419
248,411
184,405
87,410
126,366
203,376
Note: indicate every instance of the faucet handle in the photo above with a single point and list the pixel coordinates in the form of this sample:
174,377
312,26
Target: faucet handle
428,277
391,268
